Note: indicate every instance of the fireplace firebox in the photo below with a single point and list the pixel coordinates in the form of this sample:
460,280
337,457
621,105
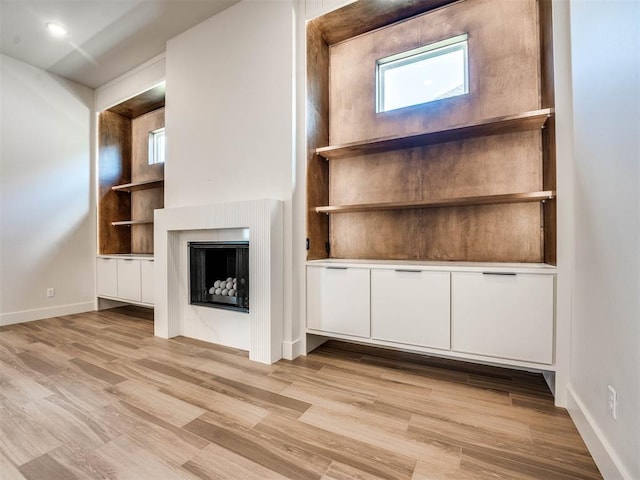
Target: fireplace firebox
219,275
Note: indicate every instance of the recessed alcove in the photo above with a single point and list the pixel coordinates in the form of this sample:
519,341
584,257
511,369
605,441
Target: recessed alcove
464,178
130,188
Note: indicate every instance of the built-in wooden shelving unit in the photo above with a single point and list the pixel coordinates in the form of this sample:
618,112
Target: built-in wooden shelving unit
492,126
451,191
442,202
443,180
130,188
133,187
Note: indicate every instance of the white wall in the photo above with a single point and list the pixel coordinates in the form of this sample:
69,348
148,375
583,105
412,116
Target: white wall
605,46
230,116
47,210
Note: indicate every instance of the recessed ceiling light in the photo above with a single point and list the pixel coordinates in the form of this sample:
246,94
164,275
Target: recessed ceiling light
56,30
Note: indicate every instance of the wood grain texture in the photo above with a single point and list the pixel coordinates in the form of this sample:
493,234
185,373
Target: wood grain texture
504,70
363,16
140,128
483,166
547,99
142,235
123,160
317,136
492,165
114,168
549,181
142,103
135,186
545,21
144,202
499,199
492,233
185,409
534,120
130,222
510,71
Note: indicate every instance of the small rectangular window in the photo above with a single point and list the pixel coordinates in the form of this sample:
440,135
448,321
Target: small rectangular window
156,146
421,75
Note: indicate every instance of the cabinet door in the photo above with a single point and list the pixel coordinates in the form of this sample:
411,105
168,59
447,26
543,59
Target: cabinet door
507,316
146,281
338,300
107,277
411,306
129,279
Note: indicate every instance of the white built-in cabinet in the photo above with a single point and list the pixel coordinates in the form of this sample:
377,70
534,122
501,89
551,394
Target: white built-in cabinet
502,314
498,313
125,278
106,277
411,306
338,300
146,281
129,279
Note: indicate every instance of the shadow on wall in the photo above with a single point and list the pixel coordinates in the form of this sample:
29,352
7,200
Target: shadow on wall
46,193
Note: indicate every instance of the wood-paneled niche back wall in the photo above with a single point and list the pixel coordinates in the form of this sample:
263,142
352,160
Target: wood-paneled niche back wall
129,188
467,178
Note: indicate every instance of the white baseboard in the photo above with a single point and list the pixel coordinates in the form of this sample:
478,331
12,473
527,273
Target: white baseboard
603,454
49,312
291,350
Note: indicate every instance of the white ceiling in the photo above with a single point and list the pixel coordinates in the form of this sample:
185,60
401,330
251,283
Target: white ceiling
105,39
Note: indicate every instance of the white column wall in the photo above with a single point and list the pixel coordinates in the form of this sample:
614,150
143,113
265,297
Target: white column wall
605,333
230,116
565,207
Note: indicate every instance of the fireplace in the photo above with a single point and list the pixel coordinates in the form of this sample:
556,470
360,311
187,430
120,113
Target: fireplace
219,275
260,222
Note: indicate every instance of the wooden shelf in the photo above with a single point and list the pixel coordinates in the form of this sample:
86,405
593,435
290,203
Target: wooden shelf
131,222
443,202
132,187
492,126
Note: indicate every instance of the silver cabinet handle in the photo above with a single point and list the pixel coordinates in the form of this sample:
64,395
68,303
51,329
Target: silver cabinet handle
407,270
500,273
336,268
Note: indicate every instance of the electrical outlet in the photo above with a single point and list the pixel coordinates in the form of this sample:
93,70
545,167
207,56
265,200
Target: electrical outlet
612,402
51,292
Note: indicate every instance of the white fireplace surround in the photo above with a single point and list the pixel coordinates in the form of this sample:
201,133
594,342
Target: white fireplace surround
263,219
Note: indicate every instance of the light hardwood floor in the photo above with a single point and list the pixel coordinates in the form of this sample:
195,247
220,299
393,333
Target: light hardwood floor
97,396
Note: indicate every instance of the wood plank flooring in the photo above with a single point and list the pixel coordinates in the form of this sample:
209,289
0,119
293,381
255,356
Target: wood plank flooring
97,396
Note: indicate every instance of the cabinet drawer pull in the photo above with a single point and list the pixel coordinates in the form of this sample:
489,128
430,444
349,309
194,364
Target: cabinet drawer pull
337,268
407,271
500,273
127,259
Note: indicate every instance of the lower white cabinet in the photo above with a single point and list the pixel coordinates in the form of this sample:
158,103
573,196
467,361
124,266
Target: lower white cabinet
146,281
504,315
125,279
107,277
338,300
129,279
411,306
487,313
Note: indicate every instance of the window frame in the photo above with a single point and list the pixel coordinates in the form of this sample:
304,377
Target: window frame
432,50
152,158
